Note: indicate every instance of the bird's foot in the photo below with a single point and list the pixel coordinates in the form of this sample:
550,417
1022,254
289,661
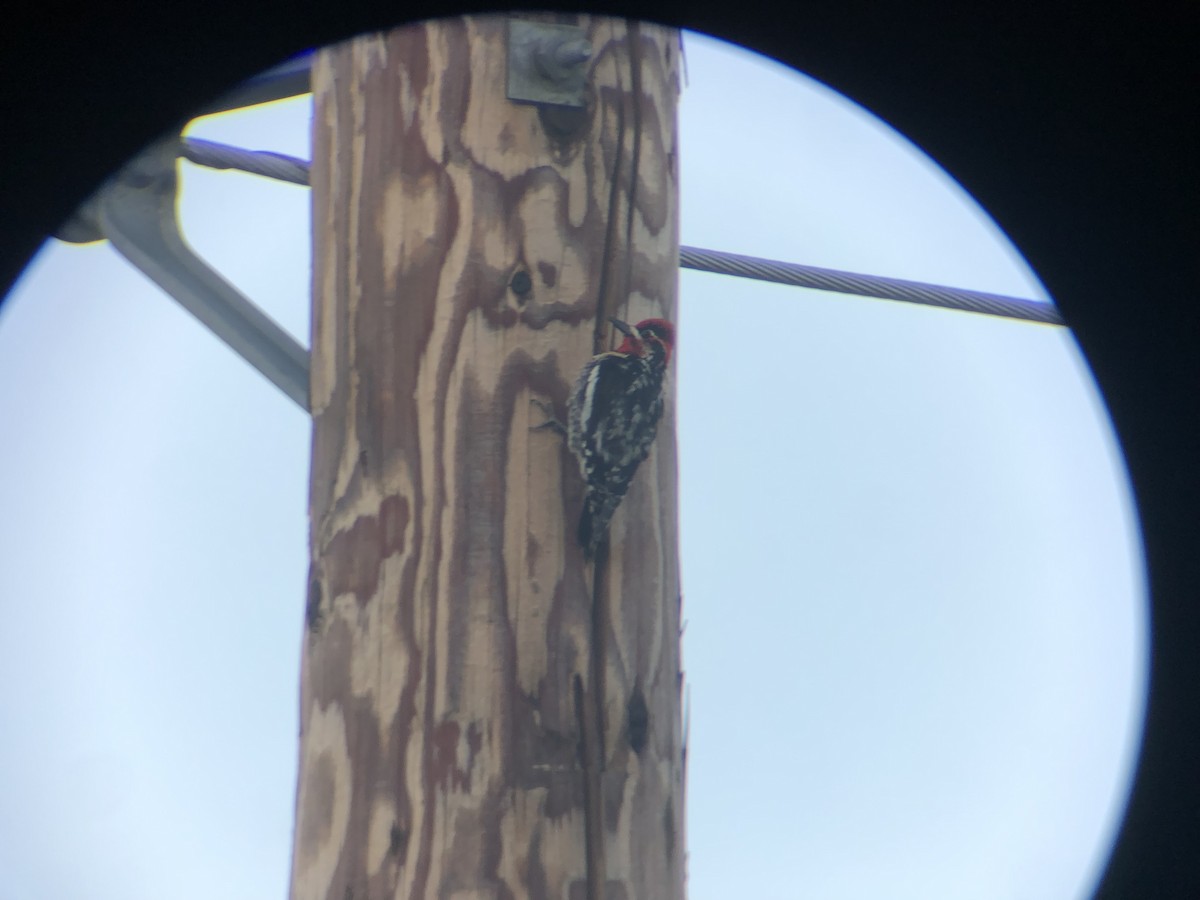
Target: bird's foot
552,422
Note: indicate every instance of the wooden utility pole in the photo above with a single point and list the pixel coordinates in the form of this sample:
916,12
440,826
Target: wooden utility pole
484,714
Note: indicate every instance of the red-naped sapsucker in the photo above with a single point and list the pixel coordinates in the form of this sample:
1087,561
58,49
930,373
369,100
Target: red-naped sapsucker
612,419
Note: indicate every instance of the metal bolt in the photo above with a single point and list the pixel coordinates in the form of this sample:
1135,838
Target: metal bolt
573,53
561,61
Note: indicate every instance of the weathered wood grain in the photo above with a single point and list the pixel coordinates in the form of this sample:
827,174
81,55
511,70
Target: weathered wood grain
466,676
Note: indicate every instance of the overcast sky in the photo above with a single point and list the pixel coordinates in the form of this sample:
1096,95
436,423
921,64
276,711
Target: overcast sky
915,601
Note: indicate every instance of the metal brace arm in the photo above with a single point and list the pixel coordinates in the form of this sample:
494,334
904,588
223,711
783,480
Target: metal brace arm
136,211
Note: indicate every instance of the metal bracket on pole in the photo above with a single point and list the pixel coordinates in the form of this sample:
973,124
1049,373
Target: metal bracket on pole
136,212
547,63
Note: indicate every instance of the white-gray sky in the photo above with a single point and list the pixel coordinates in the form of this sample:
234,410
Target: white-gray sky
915,603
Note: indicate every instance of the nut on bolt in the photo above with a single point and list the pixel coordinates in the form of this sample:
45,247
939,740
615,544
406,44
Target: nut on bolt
561,60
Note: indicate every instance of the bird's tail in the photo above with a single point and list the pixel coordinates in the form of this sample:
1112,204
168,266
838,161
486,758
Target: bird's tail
598,509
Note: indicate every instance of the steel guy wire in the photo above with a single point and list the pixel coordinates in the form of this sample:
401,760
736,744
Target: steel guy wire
296,171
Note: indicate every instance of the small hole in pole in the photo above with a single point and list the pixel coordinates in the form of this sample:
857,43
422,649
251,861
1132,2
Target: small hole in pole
521,283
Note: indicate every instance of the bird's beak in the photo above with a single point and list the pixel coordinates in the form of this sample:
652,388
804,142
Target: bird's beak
621,326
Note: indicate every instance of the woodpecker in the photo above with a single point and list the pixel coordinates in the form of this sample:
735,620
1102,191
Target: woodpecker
612,419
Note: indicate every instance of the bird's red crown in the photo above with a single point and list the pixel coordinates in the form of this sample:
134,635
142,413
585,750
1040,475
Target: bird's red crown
649,329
